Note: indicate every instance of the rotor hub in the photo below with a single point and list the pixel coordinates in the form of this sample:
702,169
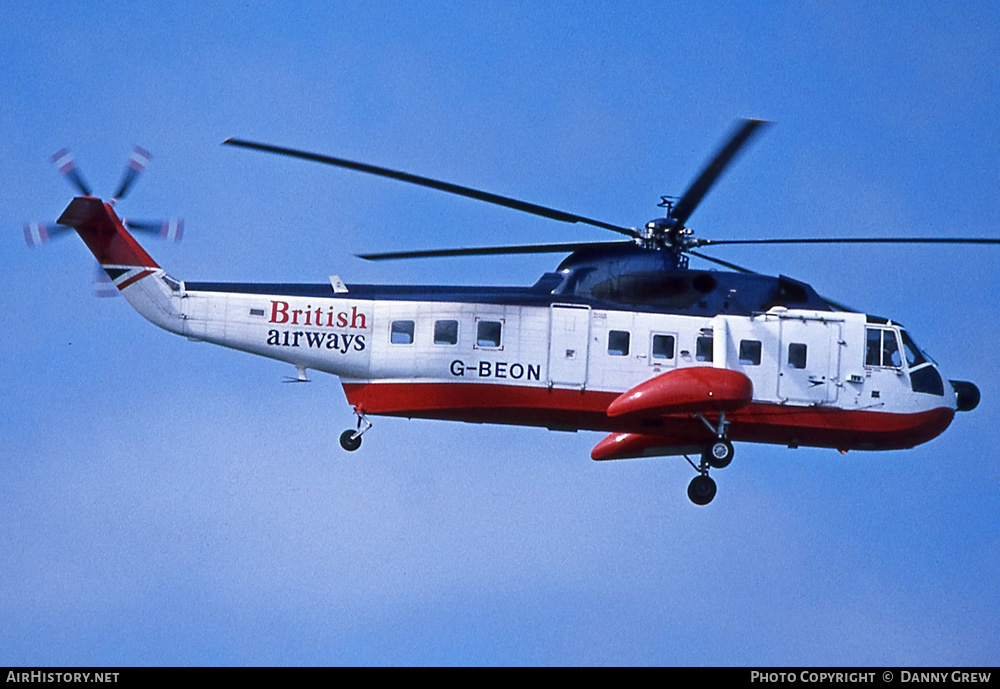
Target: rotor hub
665,233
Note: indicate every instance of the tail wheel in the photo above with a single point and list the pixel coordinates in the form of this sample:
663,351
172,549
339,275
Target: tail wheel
702,489
350,440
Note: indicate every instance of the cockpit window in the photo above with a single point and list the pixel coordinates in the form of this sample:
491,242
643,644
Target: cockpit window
890,350
914,357
873,347
882,348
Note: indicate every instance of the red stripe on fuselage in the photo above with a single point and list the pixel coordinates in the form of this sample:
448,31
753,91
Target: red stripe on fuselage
843,429
134,278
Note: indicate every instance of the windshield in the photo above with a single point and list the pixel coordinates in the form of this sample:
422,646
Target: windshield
914,357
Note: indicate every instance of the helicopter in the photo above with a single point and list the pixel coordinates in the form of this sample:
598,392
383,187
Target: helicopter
623,337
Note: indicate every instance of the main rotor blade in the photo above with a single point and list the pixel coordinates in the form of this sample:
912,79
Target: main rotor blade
836,305
727,264
708,177
495,250
853,240
434,184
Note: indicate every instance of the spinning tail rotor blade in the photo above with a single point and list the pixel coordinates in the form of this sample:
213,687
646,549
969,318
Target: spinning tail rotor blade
37,233
102,285
172,230
468,192
66,163
710,175
137,163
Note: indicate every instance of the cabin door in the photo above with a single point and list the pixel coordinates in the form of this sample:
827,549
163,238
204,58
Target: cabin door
569,339
809,360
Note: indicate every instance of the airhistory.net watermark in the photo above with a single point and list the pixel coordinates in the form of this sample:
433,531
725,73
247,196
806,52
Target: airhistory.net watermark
61,677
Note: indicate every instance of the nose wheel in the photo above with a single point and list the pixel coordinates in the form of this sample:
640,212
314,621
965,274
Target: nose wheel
350,439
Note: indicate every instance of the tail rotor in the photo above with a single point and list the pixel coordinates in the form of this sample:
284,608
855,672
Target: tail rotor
38,233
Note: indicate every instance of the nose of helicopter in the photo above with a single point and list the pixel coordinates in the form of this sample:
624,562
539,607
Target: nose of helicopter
966,394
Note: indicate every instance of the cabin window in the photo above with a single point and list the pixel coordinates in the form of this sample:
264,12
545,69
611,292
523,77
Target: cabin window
750,352
401,332
618,341
663,346
703,349
445,332
882,348
488,333
796,355
170,282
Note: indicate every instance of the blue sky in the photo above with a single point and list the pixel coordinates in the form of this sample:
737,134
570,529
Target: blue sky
167,502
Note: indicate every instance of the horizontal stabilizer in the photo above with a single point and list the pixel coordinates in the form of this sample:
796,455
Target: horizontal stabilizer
686,391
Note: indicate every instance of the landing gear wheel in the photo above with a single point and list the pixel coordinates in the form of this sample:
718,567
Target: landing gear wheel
719,454
349,440
702,489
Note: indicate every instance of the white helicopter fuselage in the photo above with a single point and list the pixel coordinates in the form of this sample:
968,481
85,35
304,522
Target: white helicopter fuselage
822,378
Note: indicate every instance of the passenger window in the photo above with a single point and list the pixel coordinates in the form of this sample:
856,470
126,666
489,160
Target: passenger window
796,355
445,332
750,352
488,333
703,349
663,346
618,341
401,332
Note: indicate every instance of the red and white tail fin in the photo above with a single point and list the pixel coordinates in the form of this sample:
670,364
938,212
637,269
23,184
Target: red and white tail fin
115,249
131,270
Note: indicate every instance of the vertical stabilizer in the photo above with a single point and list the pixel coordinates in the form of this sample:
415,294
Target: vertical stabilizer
104,234
126,263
